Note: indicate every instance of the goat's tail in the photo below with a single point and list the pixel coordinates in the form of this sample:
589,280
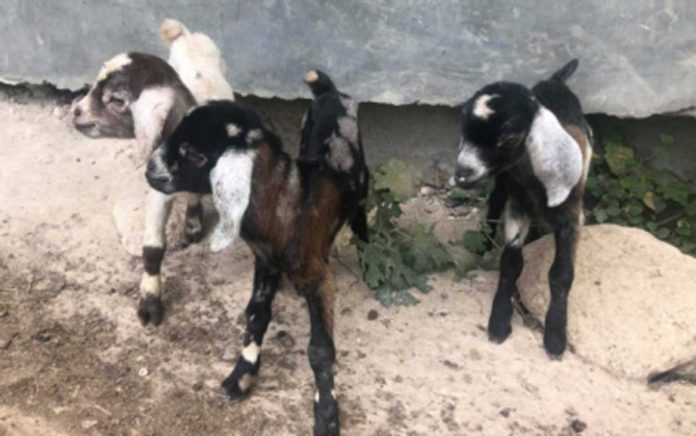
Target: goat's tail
170,30
566,71
319,82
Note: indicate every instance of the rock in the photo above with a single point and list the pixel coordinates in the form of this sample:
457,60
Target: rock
88,423
632,305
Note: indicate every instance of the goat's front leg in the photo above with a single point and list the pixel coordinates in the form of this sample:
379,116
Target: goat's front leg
511,263
496,203
193,231
322,354
258,316
157,209
561,277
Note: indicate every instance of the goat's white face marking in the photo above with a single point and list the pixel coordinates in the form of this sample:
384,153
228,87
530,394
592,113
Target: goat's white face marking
470,160
516,226
250,353
481,108
113,64
311,76
556,157
231,183
316,397
233,130
348,128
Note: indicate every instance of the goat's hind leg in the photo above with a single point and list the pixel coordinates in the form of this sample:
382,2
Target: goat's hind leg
511,263
258,316
157,210
561,277
322,354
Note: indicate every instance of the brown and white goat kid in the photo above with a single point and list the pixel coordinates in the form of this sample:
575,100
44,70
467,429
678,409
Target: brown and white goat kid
538,146
139,95
288,213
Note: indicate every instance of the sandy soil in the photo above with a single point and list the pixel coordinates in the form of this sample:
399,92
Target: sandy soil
74,360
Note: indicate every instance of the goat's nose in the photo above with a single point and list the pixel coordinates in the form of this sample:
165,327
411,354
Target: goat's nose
77,111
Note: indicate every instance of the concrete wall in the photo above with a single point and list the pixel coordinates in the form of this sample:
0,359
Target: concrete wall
638,57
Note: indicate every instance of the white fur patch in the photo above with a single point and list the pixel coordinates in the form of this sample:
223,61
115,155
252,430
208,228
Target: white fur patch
197,60
481,108
251,352
113,64
157,208
556,157
150,285
233,130
311,76
340,154
469,159
516,226
348,128
350,106
254,135
231,183
150,112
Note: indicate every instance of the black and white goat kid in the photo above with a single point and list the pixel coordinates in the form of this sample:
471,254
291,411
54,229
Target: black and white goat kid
287,212
139,95
538,145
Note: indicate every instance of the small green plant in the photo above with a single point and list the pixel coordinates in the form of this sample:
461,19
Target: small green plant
398,258
623,189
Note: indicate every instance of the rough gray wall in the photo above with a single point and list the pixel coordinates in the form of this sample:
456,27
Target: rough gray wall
638,57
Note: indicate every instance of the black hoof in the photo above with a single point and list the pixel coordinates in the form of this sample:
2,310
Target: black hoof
554,343
234,392
498,332
326,418
151,310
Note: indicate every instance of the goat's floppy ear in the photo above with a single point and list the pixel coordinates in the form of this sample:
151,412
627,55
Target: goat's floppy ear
231,183
556,157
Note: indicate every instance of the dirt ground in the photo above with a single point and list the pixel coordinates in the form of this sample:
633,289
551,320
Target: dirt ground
74,360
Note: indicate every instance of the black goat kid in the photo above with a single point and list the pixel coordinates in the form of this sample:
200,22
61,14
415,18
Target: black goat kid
538,145
287,213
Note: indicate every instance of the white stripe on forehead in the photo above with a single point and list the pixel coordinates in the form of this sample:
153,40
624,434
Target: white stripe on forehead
113,64
481,108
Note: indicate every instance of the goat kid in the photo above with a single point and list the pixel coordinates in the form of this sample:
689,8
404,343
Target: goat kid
538,146
139,95
288,213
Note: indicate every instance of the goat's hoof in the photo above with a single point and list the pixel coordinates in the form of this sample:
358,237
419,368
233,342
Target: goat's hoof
555,344
234,392
326,419
499,332
151,310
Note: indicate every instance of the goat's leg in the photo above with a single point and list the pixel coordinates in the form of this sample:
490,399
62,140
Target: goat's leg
561,277
157,211
258,316
193,231
358,224
496,203
322,354
511,263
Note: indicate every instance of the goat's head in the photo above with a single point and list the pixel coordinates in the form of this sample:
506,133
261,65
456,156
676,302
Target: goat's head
213,148
504,125
132,96
495,123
